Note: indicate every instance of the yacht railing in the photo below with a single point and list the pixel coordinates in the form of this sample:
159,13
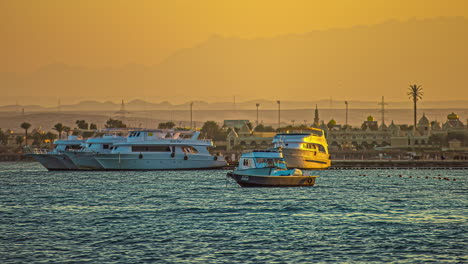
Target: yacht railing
36,151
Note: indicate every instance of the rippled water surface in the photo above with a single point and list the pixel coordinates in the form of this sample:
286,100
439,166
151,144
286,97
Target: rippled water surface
194,216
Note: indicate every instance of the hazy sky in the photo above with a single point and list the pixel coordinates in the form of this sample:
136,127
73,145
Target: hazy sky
112,33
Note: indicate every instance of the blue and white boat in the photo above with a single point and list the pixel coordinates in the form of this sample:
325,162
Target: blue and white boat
161,150
267,168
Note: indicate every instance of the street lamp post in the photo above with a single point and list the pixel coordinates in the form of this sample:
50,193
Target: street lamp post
346,123
257,105
279,113
191,115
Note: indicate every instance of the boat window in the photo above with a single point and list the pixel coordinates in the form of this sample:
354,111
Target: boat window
89,145
116,147
271,163
75,147
309,146
321,148
105,146
151,149
189,149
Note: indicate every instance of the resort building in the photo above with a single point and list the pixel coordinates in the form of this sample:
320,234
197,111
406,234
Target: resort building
371,136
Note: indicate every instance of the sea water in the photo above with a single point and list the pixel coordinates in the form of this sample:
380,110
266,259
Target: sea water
202,217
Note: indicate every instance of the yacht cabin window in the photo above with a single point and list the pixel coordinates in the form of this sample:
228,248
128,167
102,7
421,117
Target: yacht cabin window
74,147
105,146
321,148
271,162
151,149
189,149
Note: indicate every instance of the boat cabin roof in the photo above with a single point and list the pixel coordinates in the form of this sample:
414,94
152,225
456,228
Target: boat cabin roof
69,142
262,154
162,134
106,139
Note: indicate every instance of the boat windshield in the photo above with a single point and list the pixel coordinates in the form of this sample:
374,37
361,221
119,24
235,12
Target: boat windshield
270,163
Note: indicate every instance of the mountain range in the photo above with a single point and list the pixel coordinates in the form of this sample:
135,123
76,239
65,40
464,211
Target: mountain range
141,105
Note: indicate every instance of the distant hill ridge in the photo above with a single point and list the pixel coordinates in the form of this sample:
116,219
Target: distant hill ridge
141,105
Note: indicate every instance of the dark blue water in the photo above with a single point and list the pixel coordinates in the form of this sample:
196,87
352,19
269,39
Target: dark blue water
192,216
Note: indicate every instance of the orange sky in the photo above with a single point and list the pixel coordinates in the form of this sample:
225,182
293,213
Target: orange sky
112,33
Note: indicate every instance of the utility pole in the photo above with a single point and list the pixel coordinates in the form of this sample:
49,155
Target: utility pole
191,115
346,123
257,105
382,110
279,113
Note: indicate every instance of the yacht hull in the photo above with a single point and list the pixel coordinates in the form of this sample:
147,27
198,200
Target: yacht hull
85,161
54,161
304,159
158,162
246,180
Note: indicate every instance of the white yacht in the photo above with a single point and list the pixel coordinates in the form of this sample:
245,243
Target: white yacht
84,158
56,159
304,149
161,150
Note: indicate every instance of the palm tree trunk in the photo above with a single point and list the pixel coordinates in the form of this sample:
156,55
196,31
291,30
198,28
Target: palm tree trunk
414,114
26,138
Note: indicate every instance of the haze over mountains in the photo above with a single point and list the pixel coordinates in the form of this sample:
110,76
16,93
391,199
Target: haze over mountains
141,105
359,63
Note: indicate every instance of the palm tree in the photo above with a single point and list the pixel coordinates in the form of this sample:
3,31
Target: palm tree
415,92
67,130
59,128
26,126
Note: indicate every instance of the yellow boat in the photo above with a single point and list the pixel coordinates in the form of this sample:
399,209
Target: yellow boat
304,149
